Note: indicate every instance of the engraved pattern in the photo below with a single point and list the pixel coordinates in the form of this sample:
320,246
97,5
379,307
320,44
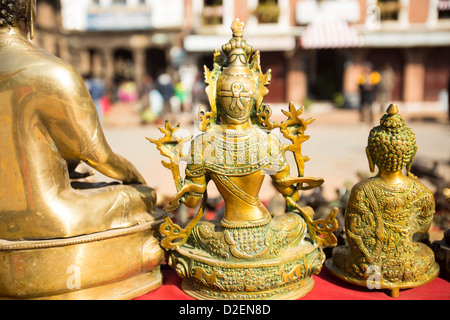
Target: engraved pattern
226,154
249,243
248,281
384,237
17,43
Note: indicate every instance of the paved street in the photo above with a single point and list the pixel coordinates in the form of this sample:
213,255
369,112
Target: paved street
336,147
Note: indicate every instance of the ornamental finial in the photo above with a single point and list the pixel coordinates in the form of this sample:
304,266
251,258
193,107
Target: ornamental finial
237,27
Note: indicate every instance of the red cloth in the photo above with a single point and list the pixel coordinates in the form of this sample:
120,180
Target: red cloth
327,287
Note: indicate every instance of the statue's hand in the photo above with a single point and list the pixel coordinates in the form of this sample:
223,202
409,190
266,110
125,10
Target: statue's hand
177,199
311,183
75,175
174,203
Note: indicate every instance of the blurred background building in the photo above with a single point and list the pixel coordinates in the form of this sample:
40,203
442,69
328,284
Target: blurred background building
317,49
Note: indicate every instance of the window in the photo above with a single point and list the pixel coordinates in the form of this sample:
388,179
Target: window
389,9
212,12
444,9
267,11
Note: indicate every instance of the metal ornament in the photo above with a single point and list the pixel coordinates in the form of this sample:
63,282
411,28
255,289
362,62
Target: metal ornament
383,213
250,253
60,237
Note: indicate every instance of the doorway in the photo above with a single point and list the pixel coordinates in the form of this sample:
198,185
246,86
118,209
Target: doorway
325,74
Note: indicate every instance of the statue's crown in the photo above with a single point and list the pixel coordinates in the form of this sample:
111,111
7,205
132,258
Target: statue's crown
237,50
392,120
240,66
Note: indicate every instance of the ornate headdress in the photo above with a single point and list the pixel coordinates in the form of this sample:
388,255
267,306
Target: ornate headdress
236,86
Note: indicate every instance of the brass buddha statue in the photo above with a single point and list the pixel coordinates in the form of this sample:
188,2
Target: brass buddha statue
383,214
48,125
249,253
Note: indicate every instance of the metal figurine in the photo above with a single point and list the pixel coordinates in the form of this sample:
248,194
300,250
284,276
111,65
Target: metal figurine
383,213
249,254
57,241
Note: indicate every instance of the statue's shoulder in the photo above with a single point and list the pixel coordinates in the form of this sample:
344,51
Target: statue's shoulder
419,185
50,67
20,57
421,194
359,194
360,186
24,61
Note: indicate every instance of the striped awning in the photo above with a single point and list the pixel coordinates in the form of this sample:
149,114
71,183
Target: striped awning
444,5
325,34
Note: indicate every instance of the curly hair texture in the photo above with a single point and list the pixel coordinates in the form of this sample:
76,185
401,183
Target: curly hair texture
392,144
11,11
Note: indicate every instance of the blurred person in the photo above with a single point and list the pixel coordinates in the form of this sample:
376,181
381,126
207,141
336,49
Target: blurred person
144,92
156,103
147,84
368,83
128,92
144,100
165,87
199,98
105,103
181,93
97,89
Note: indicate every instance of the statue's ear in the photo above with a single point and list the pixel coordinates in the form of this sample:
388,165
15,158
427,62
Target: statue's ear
369,158
408,166
31,18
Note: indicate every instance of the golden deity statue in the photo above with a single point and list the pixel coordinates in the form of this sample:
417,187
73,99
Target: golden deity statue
60,238
383,214
249,254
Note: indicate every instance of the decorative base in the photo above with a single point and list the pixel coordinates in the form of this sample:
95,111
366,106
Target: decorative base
375,281
285,277
114,264
288,292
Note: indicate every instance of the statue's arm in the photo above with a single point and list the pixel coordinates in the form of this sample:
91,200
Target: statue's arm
283,182
194,187
71,119
360,220
424,215
194,184
282,179
353,215
190,193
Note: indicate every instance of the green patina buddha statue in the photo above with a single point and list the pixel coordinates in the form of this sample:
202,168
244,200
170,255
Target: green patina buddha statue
383,214
249,254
